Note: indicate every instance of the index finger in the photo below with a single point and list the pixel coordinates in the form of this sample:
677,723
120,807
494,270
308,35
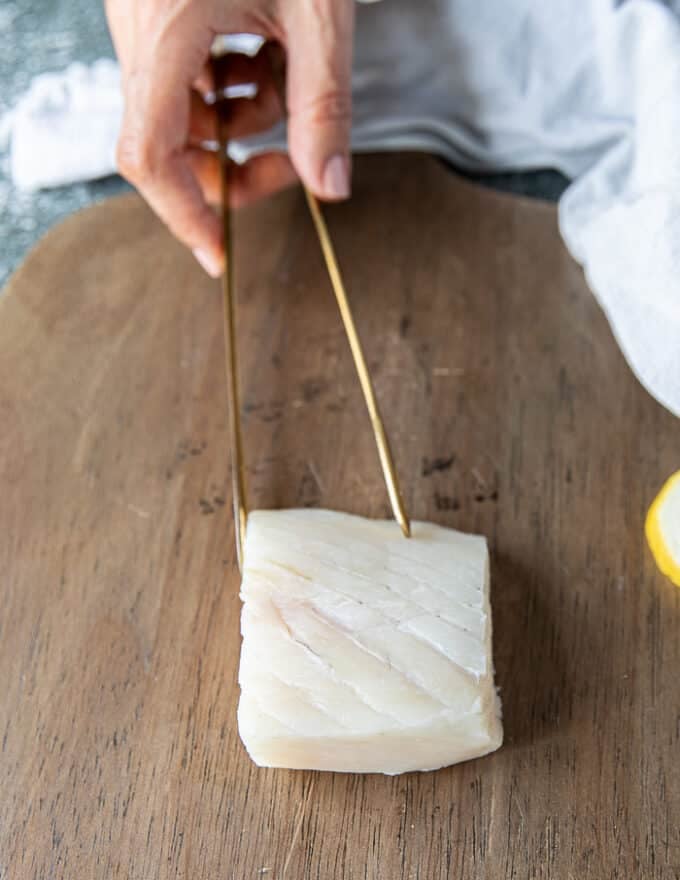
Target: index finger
152,145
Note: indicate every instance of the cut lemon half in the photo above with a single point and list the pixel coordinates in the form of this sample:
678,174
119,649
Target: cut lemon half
662,528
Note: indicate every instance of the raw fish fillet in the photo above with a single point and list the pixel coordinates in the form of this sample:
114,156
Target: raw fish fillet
364,651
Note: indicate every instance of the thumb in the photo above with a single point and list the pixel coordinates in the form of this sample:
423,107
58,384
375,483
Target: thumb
319,50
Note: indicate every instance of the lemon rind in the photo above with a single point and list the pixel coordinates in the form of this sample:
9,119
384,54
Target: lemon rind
662,556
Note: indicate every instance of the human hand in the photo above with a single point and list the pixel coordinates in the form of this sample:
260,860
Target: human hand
164,48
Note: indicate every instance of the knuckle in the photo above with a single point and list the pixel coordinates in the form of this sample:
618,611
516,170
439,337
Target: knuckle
129,156
333,105
136,158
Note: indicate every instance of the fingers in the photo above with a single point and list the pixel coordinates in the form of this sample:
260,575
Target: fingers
260,176
246,116
204,82
154,135
243,69
202,120
319,47
163,53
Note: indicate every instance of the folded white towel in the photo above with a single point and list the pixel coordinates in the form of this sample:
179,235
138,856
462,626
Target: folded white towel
64,129
621,219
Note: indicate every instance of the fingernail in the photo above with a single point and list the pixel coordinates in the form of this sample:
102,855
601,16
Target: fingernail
336,178
211,265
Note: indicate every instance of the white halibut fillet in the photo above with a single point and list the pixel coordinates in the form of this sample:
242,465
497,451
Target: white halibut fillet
363,651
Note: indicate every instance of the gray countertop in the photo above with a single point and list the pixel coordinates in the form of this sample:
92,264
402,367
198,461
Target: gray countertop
37,36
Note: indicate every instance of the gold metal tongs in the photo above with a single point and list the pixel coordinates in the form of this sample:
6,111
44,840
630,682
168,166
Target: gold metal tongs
235,436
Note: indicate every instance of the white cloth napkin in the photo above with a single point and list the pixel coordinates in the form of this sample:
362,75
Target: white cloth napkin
621,218
64,129
590,88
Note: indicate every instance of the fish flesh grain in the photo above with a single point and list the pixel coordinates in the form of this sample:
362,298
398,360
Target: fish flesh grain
364,651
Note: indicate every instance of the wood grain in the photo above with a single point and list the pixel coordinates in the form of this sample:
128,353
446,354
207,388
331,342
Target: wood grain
511,412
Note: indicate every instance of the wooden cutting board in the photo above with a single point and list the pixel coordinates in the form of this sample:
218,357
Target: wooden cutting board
511,412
